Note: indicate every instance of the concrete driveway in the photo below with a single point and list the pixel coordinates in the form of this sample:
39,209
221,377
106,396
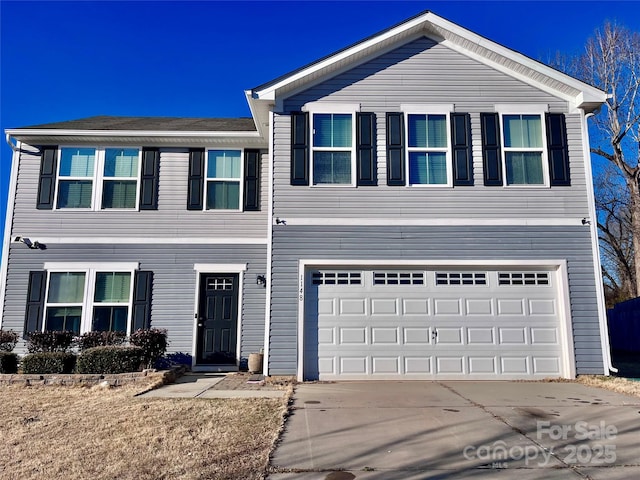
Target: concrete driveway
428,430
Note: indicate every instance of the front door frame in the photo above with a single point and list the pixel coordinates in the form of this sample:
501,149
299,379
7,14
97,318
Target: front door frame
217,268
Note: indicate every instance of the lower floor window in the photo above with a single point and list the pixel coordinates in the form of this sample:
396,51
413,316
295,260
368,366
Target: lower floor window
89,300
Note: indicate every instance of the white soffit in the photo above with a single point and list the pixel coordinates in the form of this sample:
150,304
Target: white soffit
451,35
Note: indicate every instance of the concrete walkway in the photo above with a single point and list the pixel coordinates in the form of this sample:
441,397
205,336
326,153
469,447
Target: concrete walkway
429,430
214,385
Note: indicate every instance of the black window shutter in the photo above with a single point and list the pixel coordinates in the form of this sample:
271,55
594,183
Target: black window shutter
252,180
366,149
34,311
395,149
557,149
195,190
300,148
149,179
461,147
47,181
491,158
141,315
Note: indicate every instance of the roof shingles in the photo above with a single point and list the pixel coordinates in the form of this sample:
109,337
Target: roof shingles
162,124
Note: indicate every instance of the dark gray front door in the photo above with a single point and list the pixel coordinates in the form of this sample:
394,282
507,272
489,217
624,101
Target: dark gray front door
217,319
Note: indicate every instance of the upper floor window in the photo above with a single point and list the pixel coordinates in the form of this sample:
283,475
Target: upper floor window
223,185
523,149
332,157
94,178
428,147
89,299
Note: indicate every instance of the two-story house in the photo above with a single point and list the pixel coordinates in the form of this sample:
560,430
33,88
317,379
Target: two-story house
418,205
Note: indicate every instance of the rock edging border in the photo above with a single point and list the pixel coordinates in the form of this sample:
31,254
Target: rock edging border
77,379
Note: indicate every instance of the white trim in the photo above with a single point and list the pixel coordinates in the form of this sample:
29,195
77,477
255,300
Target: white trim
435,108
101,266
267,307
557,266
452,36
98,178
90,272
566,321
521,108
546,181
24,132
220,267
330,107
597,267
239,181
217,268
431,222
323,109
8,226
149,241
448,150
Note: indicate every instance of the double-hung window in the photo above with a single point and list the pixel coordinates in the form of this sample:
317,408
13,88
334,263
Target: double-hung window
523,149
76,177
223,182
333,148
120,177
428,149
80,299
98,178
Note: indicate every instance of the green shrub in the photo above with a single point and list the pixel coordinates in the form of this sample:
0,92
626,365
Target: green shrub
49,341
153,343
8,340
110,359
8,362
99,339
49,362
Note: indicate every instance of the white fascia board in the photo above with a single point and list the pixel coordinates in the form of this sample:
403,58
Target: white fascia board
269,93
21,133
588,94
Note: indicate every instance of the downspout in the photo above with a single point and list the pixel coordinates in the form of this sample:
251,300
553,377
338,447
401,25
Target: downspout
267,306
602,311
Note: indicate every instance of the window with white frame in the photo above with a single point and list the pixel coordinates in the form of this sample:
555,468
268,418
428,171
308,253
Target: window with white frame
98,178
333,148
223,185
89,300
428,149
523,149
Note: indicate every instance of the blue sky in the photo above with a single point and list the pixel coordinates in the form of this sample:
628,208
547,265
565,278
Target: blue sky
67,60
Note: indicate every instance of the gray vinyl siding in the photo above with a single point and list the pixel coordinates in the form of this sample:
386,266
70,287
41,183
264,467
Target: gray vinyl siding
425,72
174,283
172,219
292,243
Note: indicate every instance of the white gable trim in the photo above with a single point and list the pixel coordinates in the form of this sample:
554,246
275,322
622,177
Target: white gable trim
508,61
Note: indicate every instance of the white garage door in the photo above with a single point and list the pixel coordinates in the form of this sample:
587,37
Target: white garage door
432,324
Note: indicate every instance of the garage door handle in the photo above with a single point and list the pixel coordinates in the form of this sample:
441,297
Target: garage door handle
434,334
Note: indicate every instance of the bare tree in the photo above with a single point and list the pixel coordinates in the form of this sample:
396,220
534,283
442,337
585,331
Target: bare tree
615,235
611,62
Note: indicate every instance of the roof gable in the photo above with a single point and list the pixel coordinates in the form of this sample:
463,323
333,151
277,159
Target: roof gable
576,92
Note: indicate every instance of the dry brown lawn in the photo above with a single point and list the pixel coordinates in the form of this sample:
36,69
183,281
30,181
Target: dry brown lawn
96,433
616,384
